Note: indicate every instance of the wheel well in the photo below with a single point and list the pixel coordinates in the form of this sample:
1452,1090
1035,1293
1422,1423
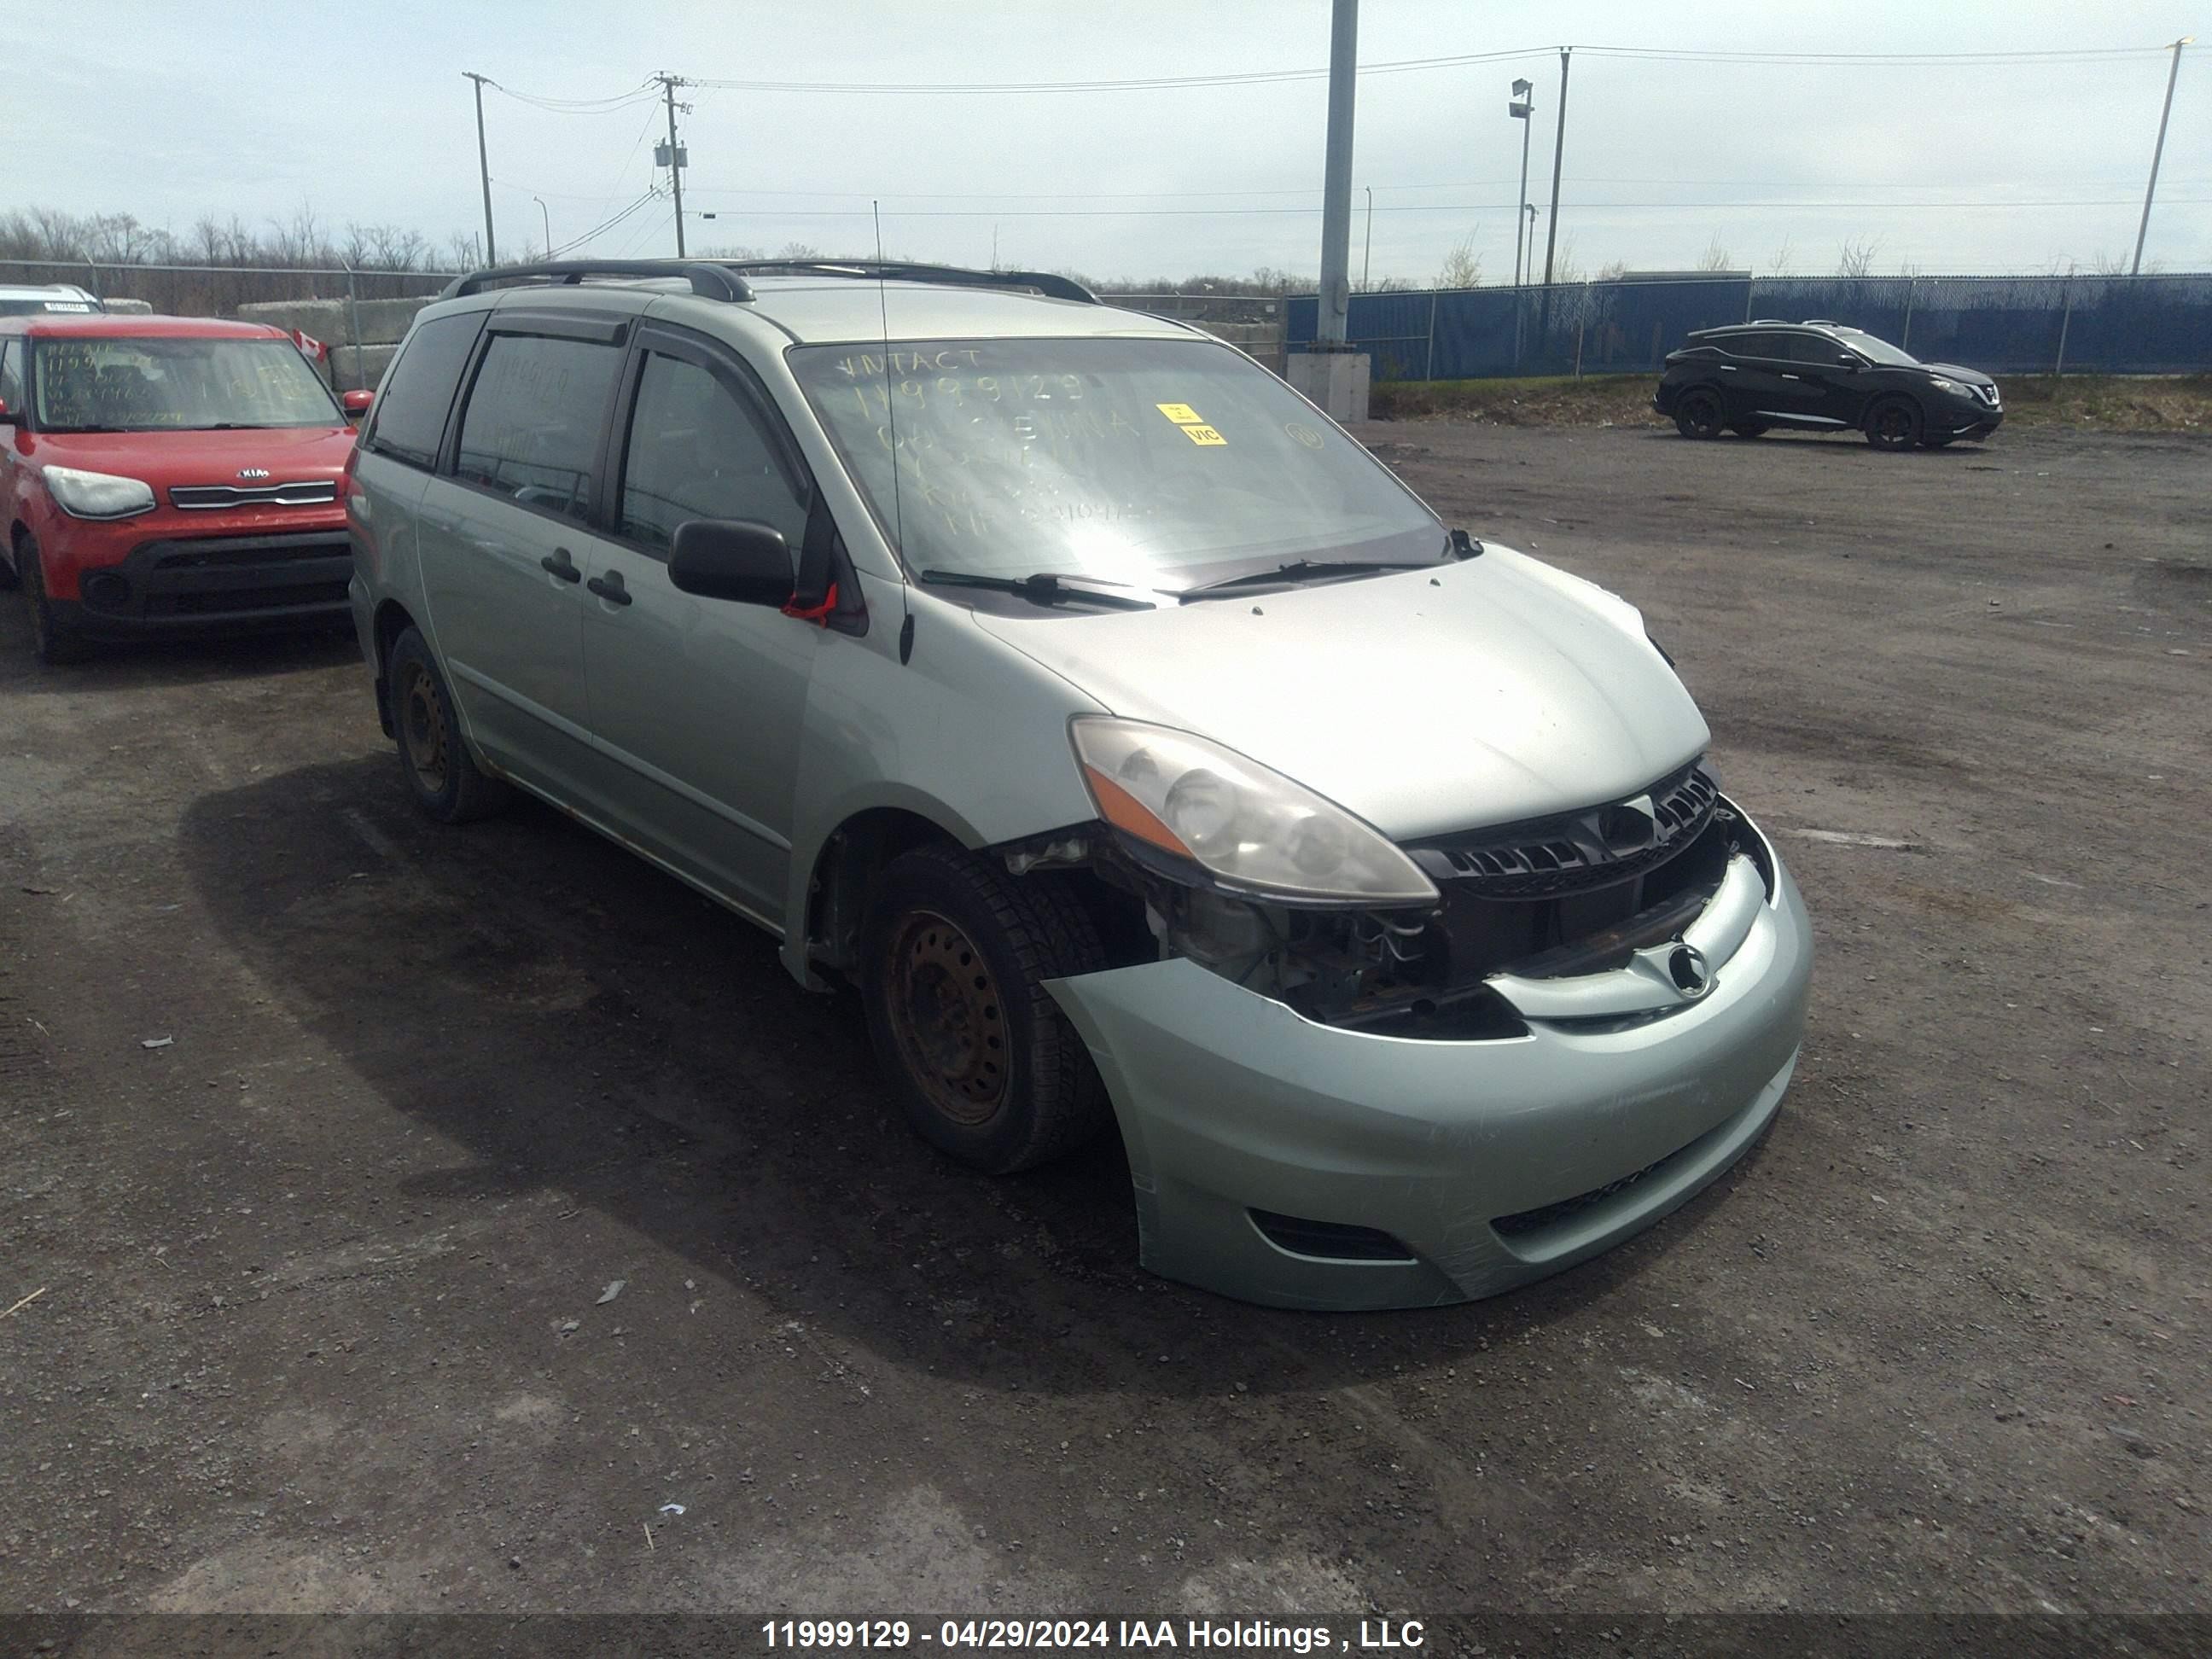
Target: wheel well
392,621
845,871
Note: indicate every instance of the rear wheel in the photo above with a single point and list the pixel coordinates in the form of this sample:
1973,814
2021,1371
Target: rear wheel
1894,424
955,959
441,774
53,641
1698,414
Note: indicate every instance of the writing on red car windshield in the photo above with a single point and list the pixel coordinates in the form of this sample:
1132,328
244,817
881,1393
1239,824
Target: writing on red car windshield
129,383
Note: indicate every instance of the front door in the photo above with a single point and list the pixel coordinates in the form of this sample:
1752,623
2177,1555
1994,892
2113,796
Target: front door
698,704
505,541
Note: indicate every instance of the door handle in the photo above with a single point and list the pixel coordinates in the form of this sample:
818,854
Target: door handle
608,588
561,565
1728,368
1787,375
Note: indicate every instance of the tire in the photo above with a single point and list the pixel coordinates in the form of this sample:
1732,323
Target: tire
441,774
1750,429
955,956
1894,424
1698,414
52,642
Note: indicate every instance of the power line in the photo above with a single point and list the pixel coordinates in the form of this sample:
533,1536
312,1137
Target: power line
1429,206
578,105
603,226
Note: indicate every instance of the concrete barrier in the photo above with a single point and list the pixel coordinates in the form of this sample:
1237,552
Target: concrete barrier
128,307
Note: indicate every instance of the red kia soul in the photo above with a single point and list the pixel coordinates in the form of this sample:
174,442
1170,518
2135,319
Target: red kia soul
169,474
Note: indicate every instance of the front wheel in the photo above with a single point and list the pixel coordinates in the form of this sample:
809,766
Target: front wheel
955,956
1699,415
1895,424
441,774
52,641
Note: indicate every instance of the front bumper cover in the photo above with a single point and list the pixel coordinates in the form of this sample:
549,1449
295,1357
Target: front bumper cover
1619,1105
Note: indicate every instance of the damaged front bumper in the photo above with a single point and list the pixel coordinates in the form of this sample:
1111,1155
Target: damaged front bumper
1300,1164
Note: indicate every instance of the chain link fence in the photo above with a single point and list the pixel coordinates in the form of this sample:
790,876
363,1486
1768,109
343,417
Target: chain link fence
2001,324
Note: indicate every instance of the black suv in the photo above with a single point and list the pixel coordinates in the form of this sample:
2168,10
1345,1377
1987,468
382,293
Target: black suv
1820,376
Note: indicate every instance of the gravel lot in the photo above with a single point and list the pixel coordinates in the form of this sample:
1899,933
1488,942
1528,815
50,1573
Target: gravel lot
324,1323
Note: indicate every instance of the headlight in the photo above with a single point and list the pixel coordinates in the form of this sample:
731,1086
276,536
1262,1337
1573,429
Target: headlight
1252,829
1942,385
98,494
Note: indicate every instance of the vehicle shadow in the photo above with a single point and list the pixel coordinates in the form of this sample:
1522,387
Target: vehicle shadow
580,1022
1807,443
153,663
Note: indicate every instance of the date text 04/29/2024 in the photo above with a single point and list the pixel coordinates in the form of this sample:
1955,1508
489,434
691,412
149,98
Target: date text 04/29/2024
1119,1635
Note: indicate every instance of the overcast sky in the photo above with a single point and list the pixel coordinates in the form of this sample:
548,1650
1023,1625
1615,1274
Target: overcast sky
169,112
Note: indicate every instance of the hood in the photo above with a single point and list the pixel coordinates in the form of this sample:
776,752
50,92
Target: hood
1443,699
288,454
1958,372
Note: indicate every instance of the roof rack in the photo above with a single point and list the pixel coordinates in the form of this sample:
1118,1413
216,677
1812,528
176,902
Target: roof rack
1044,282
710,281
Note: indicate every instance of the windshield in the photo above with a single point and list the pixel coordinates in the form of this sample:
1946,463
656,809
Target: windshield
161,384
1880,350
1161,463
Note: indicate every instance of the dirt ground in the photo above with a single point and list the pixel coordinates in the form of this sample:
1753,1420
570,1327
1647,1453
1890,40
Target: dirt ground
324,1319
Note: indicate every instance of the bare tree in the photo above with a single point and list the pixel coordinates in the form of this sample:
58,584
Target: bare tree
1855,259
1463,266
1717,256
1778,262
798,250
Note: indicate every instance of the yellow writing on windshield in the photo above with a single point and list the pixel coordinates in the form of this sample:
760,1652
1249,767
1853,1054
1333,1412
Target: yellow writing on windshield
1204,434
1181,414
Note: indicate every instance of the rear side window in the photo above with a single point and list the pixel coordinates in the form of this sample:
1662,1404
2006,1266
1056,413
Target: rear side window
418,392
531,428
1816,348
697,451
1773,347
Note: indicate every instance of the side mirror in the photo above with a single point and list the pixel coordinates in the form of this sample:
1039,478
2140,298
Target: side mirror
6,414
1851,362
356,403
731,559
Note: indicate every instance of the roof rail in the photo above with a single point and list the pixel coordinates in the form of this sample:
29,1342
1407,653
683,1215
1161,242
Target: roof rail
1044,282
710,281
1822,322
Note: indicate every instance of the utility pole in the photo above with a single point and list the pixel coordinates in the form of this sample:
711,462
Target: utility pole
1559,150
1336,177
2143,230
668,84
483,166
1367,258
1522,108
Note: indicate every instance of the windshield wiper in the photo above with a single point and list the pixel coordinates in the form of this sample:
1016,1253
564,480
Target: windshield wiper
1046,587
1298,570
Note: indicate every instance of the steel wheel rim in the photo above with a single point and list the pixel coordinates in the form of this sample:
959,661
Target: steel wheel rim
422,730
1705,416
1893,425
947,1019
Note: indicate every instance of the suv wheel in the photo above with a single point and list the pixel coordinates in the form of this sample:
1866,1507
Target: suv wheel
1698,414
955,956
1894,424
52,641
441,774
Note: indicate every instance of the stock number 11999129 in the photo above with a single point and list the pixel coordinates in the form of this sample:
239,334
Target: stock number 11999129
1017,1633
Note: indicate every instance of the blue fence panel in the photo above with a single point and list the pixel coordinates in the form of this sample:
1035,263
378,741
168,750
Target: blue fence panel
1999,325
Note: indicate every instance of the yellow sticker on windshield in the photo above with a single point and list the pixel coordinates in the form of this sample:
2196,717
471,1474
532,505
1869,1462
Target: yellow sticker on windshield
1181,414
1203,435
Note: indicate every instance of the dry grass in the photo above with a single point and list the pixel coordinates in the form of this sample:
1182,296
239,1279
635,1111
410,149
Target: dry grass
2105,403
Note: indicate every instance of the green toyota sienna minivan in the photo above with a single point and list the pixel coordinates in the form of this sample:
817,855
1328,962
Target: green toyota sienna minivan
1132,742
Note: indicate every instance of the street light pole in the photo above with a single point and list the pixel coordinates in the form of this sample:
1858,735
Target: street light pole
1336,178
1521,109
1367,258
2150,189
483,166
548,218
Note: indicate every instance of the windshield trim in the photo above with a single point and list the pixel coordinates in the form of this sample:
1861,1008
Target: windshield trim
33,402
885,531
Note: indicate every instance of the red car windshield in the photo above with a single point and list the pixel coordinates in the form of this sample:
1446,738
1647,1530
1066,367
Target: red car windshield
159,384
